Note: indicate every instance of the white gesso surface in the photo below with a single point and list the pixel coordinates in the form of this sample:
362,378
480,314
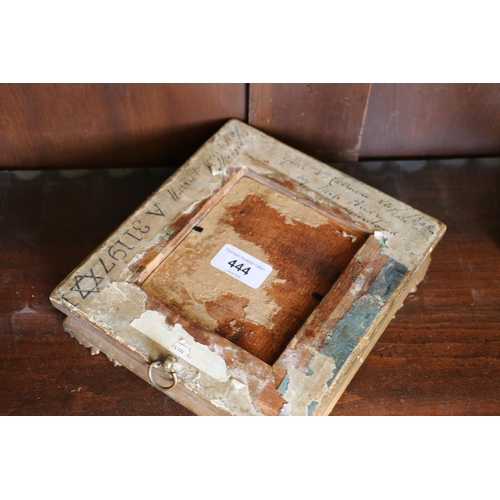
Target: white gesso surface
253,271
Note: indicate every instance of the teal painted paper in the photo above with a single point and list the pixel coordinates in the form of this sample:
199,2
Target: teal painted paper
343,338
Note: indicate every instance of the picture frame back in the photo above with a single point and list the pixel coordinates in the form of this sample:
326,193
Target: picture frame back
254,281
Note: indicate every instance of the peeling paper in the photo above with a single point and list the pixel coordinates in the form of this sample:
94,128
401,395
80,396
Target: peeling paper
153,325
382,238
232,395
347,235
304,390
117,305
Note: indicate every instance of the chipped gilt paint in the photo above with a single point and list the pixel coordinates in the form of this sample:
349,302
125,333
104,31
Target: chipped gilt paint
267,274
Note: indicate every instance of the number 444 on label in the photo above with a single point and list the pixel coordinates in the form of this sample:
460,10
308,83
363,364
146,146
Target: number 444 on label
241,266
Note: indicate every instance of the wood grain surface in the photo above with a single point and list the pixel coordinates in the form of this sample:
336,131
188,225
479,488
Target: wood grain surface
265,224
439,356
322,120
132,125
111,125
432,120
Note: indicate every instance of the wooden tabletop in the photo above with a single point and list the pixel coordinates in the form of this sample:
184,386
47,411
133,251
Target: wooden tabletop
439,356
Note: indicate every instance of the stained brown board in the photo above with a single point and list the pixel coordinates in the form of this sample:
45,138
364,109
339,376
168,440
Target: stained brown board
269,226
323,120
110,125
422,120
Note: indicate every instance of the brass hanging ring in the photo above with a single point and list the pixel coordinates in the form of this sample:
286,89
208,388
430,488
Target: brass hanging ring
168,366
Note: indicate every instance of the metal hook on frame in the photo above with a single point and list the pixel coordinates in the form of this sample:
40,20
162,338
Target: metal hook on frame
168,366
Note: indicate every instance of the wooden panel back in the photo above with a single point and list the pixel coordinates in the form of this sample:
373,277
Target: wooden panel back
306,250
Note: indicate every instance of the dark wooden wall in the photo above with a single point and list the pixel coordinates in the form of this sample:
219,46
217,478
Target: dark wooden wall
323,120
122,125
432,120
98,125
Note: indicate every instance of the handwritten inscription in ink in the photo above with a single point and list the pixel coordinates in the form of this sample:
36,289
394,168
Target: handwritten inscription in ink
176,190
377,213
225,148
